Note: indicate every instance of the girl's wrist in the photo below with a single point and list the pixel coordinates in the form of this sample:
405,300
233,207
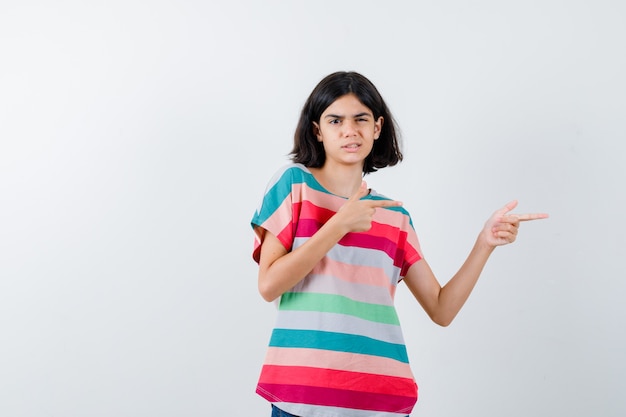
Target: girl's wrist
482,243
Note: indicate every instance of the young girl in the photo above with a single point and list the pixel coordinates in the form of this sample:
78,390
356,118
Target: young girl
332,251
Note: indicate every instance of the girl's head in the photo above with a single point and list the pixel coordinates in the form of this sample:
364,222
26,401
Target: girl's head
308,151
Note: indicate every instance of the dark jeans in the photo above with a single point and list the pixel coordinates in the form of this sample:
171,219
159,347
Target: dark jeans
277,412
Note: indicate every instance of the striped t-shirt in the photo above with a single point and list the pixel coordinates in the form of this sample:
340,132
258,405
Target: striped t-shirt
337,348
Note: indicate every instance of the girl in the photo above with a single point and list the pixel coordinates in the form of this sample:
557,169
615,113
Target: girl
332,252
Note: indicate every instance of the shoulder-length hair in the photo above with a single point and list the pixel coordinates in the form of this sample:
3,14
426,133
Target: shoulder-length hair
308,151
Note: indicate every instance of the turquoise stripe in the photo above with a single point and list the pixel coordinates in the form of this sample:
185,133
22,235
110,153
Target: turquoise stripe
278,192
339,342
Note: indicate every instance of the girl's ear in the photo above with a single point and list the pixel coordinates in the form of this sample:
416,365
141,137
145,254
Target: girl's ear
316,131
378,127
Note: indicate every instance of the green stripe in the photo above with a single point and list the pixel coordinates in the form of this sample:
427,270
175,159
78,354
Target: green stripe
338,342
331,303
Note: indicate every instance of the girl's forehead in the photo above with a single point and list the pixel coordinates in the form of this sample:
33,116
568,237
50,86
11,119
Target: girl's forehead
349,103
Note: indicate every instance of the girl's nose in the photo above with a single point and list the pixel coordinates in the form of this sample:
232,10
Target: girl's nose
349,128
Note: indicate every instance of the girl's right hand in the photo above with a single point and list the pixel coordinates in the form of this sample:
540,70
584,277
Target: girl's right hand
356,215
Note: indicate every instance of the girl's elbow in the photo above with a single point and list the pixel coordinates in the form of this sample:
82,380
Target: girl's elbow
268,298
443,320
442,323
267,293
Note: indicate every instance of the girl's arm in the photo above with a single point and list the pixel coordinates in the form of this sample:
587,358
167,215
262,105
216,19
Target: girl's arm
280,270
443,303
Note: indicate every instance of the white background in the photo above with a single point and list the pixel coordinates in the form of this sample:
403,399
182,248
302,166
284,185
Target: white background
136,139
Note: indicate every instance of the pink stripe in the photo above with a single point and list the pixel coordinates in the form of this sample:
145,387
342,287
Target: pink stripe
357,274
338,398
280,218
337,360
325,200
391,217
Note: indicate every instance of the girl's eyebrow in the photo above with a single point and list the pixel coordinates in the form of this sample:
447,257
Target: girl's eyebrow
336,116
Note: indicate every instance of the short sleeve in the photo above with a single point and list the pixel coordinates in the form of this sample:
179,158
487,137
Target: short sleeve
410,248
275,213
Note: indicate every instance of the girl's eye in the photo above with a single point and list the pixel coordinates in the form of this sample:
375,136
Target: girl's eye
334,121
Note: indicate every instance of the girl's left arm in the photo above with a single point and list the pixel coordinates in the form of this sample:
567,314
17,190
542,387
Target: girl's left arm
443,303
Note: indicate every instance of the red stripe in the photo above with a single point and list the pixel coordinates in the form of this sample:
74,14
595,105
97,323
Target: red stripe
367,241
337,379
308,227
308,210
337,398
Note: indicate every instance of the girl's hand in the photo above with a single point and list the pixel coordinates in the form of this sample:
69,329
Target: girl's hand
356,215
502,227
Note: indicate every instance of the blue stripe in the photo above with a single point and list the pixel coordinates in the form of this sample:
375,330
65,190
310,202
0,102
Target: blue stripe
339,342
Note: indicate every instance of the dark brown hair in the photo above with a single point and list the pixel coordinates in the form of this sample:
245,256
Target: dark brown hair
308,151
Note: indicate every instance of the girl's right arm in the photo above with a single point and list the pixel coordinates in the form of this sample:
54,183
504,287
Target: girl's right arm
280,270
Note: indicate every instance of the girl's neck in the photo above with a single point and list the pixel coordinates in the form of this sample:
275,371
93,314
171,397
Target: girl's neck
339,180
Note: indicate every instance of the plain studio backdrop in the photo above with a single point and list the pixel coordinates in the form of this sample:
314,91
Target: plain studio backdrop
137,138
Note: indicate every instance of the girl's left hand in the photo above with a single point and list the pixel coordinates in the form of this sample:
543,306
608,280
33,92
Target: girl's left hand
502,226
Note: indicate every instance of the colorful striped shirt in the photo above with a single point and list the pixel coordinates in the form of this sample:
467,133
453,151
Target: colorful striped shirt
337,348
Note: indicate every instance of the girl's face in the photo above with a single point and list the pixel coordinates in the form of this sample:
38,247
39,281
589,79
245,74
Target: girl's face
347,130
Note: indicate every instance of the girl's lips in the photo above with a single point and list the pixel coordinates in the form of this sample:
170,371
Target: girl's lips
351,146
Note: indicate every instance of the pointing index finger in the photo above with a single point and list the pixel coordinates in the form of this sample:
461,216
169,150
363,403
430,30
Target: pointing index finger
531,216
